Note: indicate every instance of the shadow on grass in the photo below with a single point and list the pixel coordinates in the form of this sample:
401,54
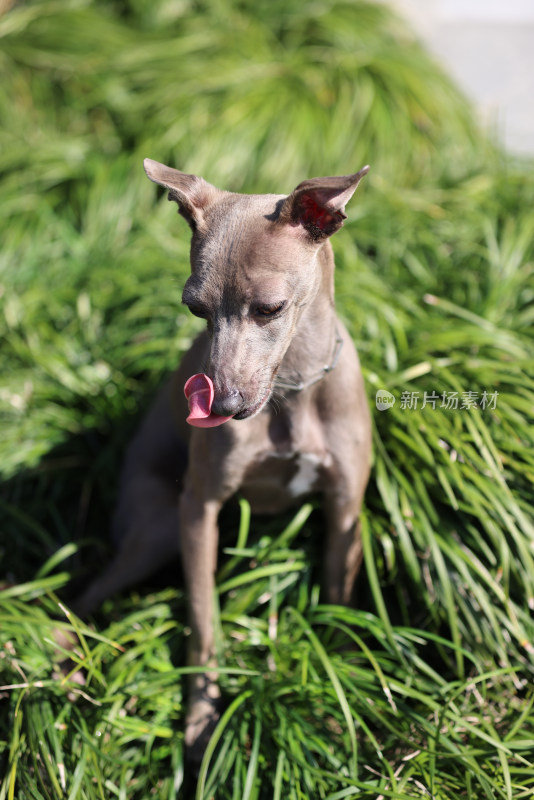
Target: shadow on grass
67,498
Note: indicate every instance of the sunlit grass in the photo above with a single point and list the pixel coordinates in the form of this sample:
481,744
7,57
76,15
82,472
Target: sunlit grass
425,690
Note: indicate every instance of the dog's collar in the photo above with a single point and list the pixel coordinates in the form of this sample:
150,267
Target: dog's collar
298,386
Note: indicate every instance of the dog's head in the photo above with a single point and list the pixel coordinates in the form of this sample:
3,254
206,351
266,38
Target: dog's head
255,268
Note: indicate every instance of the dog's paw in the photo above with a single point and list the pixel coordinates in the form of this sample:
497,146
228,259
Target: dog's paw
202,718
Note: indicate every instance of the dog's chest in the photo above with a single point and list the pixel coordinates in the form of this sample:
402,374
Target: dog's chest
277,479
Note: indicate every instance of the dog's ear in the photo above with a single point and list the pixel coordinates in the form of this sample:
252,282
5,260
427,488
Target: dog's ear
193,194
318,205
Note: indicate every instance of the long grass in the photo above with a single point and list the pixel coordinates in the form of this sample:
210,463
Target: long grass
424,690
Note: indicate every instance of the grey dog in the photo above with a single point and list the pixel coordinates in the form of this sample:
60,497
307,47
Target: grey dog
262,276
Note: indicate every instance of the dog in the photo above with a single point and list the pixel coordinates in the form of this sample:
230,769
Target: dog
280,412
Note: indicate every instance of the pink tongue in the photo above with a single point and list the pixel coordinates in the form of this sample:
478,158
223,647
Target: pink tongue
199,393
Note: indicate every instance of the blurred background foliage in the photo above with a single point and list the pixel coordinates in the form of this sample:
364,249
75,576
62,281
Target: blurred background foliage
435,281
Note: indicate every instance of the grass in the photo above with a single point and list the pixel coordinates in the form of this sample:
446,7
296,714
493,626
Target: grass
424,690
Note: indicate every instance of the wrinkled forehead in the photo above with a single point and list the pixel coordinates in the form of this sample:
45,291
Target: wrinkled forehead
241,235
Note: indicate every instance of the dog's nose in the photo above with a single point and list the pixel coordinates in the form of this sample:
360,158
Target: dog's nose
227,403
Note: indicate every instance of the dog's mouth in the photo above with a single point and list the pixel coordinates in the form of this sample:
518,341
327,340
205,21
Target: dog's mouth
254,409
200,393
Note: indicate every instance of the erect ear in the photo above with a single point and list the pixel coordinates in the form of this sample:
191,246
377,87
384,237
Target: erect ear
318,205
193,194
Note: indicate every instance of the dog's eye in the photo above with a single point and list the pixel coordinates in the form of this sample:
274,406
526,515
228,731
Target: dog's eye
197,311
268,310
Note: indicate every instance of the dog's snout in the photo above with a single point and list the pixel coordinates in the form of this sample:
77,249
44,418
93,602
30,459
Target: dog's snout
227,403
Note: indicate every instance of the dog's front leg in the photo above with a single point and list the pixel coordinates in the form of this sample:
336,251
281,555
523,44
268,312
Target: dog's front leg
199,537
343,552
